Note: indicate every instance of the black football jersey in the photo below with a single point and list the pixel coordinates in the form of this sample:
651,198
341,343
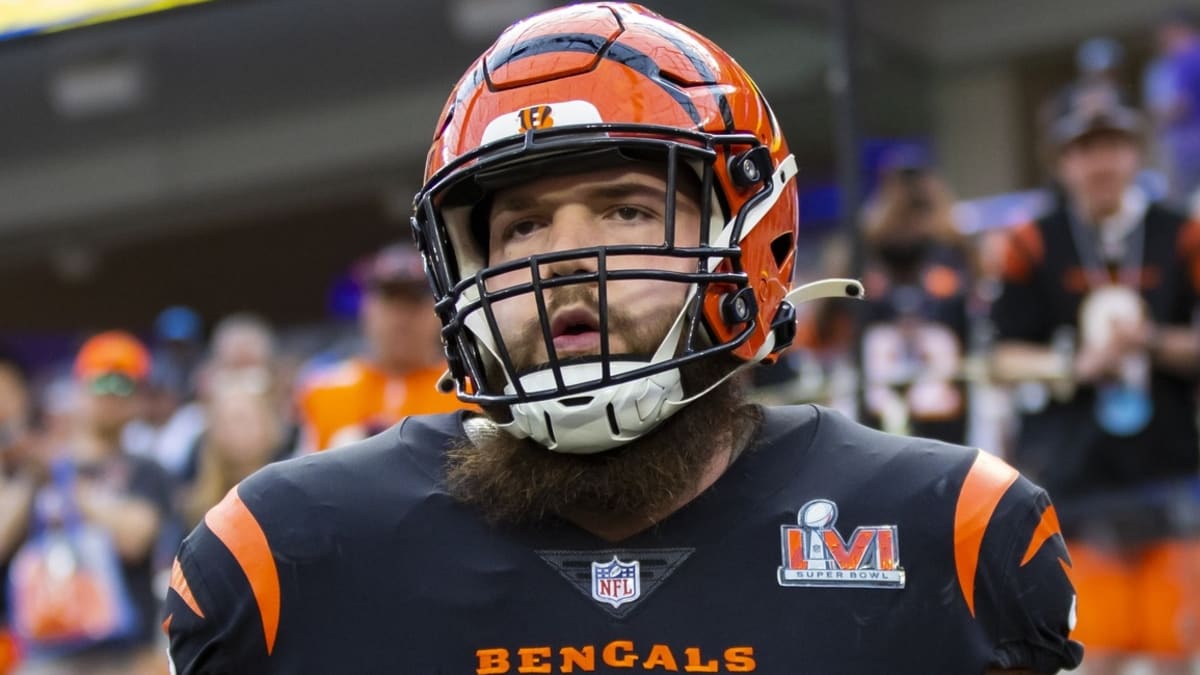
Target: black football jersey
825,548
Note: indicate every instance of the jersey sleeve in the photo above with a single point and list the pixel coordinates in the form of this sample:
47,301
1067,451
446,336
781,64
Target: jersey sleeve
1025,600
221,609
1019,311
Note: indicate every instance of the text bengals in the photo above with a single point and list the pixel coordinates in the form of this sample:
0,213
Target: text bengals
615,654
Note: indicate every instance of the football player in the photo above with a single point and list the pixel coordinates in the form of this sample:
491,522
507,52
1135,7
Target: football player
608,221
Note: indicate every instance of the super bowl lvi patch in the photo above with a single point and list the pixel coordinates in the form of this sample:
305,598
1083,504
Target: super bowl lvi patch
815,554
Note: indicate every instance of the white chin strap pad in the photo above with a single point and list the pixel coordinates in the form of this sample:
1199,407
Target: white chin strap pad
600,419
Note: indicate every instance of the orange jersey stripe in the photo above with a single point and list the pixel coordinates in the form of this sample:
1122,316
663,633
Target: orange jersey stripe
239,530
1047,527
986,482
1024,250
179,584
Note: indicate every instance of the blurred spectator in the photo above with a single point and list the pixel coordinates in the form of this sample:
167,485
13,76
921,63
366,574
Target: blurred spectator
243,358
16,487
1095,326
82,596
914,322
398,375
243,349
1172,89
245,432
166,426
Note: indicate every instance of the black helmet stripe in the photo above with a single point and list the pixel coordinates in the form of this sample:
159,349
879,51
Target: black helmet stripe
592,44
703,71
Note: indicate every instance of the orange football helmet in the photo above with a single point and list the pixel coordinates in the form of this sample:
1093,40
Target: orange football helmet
596,83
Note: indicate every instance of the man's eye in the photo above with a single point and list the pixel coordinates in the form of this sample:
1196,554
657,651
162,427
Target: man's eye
519,229
630,213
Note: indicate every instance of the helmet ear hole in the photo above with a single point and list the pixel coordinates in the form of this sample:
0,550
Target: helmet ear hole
783,246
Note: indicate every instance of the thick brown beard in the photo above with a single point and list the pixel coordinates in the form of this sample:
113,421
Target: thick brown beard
518,481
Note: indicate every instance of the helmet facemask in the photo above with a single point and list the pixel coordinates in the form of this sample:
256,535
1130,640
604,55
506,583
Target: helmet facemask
590,403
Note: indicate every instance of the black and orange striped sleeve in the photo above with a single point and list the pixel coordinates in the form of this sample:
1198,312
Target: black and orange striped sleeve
1014,570
222,608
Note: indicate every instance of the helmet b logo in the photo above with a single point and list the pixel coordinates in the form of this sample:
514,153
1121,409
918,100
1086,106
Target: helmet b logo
535,117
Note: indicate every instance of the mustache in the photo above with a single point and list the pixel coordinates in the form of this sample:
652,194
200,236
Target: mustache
523,348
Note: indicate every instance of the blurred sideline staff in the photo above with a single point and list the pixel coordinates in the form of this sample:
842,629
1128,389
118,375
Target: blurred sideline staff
1098,309
915,324
398,375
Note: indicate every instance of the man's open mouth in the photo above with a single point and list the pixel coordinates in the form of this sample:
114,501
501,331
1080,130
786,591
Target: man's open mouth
575,331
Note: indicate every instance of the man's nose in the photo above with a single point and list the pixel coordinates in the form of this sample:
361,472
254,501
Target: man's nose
572,228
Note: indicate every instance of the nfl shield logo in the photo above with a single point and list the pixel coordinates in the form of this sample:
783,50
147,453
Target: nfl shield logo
616,582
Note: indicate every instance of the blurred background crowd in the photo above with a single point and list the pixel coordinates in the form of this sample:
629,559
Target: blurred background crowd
205,268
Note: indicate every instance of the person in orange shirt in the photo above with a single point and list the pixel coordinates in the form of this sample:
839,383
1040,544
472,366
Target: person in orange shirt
398,375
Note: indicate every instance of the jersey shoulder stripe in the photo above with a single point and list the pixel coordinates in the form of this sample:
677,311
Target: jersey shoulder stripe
180,585
237,528
1046,528
988,479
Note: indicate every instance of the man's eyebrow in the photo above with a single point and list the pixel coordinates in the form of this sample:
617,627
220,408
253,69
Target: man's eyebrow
513,203
603,192
625,190
629,189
